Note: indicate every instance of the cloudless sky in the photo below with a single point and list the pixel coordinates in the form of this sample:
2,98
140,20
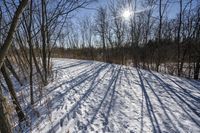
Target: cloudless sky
92,9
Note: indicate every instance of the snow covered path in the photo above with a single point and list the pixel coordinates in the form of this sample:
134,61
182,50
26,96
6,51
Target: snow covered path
89,96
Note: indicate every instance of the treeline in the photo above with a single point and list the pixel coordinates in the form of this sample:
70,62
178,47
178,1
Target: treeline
152,56
150,37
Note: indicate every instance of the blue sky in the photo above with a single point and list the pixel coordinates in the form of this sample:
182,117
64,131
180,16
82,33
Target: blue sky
172,10
91,9
82,13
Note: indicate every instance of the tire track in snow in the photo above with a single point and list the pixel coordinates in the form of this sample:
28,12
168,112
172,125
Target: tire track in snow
136,82
101,107
111,103
60,83
150,108
67,71
77,70
85,73
134,99
84,95
66,92
87,96
77,82
90,100
53,88
132,83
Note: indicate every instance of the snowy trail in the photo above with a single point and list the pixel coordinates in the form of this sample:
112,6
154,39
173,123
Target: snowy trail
94,97
163,115
71,91
174,102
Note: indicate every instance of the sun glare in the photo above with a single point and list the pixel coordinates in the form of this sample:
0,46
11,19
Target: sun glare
126,14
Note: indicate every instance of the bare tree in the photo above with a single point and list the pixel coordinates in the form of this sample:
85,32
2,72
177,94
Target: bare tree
118,29
18,108
5,125
102,24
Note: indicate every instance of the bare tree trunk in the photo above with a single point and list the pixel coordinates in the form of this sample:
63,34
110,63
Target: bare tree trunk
178,39
37,66
159,36
44,37
104,47
18,108
182,60
30,54
19,61
160,21
5,126
12,70
197,69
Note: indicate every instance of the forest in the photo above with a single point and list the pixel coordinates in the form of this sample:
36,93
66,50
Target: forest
148,37
154,35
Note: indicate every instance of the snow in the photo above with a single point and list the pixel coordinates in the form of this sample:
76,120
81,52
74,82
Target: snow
90,97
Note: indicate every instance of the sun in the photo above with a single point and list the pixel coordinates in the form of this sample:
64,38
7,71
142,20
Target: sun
126,14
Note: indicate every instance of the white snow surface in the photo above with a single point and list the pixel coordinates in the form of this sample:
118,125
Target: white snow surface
91,97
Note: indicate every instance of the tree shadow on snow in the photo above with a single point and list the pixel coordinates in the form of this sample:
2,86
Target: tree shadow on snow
168,122
150,108
92,78
105,102
71,65
179,99
178,94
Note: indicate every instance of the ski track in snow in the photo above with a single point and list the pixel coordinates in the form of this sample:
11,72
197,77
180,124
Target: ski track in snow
88,97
